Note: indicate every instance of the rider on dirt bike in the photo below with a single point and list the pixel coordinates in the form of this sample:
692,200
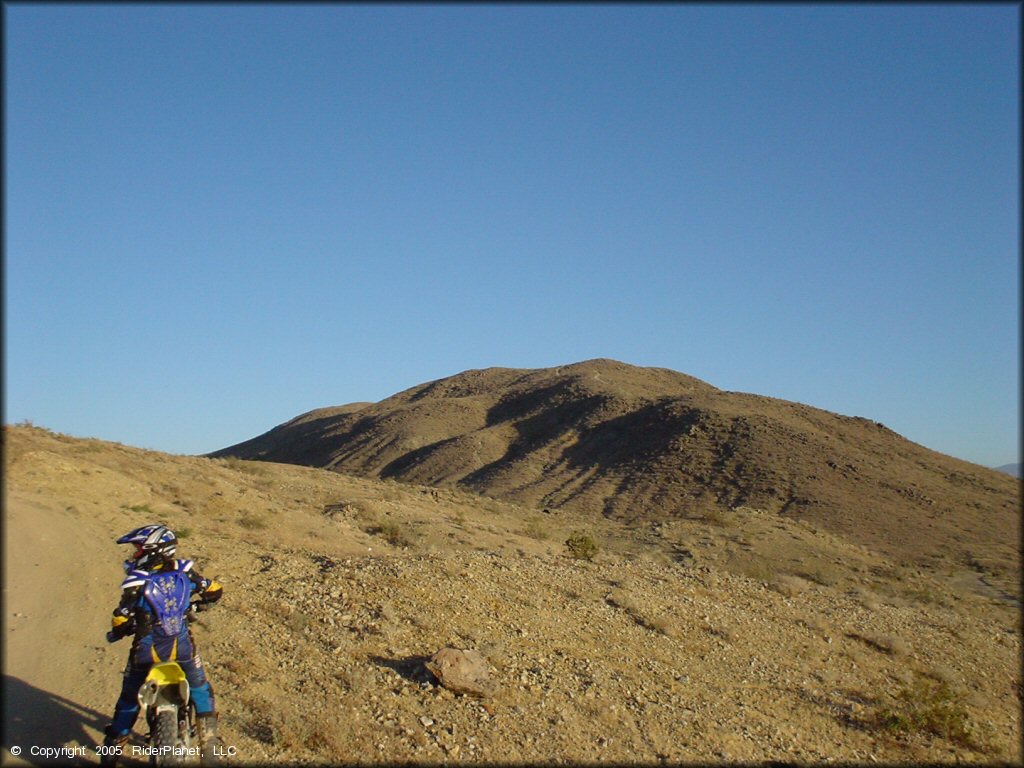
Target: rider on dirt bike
154,606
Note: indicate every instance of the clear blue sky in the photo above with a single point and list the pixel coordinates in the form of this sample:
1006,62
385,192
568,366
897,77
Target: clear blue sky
219,217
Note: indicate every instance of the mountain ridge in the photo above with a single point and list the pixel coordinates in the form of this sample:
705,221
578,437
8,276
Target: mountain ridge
631,443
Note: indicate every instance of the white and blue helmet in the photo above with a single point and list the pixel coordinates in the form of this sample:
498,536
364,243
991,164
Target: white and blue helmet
153,543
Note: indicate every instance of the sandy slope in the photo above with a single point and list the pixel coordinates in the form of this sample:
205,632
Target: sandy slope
337,588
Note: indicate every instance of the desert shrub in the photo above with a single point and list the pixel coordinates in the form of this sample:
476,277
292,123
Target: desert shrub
889,644
241,465
788,585
824,575
929,706
924,596
183,533
252,522
718,517
363,512
646,618
581,545
140,508
665,625
721,632
392,532
298,621
535,529
757,569
622,599
260,728
869,600
941,673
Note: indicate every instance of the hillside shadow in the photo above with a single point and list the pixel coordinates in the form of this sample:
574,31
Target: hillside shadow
540,417
36,717
308,444
632,437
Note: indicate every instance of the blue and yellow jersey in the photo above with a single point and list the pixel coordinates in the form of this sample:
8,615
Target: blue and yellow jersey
156,602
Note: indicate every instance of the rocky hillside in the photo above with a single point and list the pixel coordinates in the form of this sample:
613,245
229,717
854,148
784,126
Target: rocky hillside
649,444
728,637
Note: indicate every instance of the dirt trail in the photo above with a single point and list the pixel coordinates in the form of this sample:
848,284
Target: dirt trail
60,583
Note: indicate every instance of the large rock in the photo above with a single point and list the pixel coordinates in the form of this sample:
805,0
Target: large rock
462,671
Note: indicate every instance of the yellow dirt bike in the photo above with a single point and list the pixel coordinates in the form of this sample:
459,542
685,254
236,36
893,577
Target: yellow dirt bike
164,698
165,701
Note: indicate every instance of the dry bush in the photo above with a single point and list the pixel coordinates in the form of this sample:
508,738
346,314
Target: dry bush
723,633
622,599
360,511
394,534
657,557
788,585
823,574
252,522
757,569
624,582
587,594
241,465
924,596
608,716
327,736
581,545
719,518
350,510
299,621
869,600
393,491
357,679
815,624
942,674
891,644
260,728
536,529
932,707
666,626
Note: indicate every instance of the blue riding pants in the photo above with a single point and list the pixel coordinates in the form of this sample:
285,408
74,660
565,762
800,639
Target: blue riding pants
126,711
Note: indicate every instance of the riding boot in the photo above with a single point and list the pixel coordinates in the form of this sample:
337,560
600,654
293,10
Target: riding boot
209,741
110,756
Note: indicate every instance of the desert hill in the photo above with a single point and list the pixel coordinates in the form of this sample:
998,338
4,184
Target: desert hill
649,444
731,636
